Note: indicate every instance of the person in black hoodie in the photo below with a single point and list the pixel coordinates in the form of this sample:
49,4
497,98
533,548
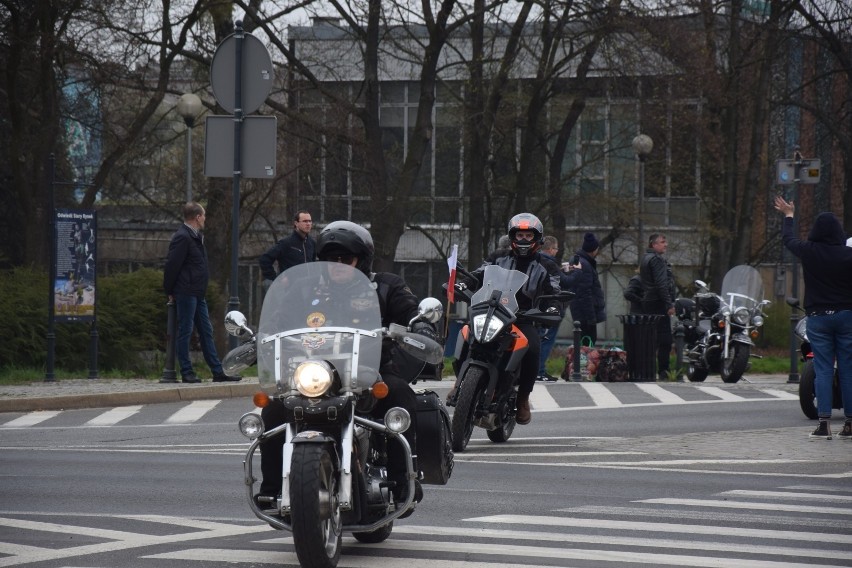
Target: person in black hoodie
827,267
185,277
588,305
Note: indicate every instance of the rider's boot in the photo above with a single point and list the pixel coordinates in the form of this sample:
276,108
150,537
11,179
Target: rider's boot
523,415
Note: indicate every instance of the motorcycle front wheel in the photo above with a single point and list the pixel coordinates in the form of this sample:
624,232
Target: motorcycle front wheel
507,422
315,510
807,393
465,412
736,364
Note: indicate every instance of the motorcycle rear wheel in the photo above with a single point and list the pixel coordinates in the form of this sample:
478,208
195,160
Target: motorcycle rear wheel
507,421
315,511
736,364
696,374
807,392
381,534
466,400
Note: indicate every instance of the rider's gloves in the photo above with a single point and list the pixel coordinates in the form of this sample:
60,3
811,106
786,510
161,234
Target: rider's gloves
425,329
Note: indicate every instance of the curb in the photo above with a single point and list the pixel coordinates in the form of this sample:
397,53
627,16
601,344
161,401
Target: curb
96,400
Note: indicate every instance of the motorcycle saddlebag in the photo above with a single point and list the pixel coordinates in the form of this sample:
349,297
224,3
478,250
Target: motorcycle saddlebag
434,438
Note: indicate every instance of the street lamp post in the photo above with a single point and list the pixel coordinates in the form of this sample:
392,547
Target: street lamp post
642,146
189,107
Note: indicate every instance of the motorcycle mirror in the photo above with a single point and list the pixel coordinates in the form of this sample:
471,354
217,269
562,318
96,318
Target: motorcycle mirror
235,324
419,346
430,309
700,284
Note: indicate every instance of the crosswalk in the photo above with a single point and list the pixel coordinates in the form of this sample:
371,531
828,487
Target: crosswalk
791,526
544,398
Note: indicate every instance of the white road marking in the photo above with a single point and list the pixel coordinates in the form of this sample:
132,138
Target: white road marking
542,400
192,412
746,505
114,416
721,394
783,395
601,396
787,495
661,394
31,418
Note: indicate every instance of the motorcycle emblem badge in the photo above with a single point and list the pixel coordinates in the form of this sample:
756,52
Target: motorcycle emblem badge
313,341
316,319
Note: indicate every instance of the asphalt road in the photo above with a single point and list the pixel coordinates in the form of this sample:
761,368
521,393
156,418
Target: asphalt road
613,475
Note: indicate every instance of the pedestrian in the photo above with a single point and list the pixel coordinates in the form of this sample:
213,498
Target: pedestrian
633,293
294,249
658,297
549,250
588,305
185,277
827,267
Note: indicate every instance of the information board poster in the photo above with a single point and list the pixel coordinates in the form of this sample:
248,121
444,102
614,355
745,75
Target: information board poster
76,261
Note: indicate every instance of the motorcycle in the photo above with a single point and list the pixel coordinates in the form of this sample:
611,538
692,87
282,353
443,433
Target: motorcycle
488,353
719,329
318,351
807,390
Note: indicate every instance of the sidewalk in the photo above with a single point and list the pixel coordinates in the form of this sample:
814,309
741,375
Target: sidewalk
96,393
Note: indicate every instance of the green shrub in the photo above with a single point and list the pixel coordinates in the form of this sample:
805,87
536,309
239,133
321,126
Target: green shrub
131,321
775,333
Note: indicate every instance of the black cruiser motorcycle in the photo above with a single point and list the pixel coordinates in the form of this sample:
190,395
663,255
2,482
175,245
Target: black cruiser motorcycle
318,350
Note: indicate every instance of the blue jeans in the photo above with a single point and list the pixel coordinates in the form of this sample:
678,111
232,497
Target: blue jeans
192,310
548,340
831,338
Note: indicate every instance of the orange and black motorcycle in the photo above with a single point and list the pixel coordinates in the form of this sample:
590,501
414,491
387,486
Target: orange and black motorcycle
488,353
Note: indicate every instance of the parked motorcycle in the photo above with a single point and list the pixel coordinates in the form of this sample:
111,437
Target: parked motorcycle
318,350
719,329
807,390
488,353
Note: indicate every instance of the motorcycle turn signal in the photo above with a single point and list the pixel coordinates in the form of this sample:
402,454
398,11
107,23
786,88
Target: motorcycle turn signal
380,389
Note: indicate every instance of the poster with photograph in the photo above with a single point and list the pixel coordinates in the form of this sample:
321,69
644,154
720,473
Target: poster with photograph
76,254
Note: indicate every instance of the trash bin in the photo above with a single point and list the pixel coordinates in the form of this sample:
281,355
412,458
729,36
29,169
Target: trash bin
640,343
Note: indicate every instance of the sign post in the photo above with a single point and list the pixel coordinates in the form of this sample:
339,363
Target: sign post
794,172
241,78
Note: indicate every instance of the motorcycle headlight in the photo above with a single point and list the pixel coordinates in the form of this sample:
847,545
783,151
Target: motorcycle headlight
757,321
251,425
494,326
397,420
313,378
740,316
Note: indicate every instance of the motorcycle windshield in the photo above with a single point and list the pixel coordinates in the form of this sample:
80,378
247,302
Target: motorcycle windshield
508,282
742,287
320,310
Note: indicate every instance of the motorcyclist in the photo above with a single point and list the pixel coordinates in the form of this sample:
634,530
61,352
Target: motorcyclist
526,234
350,244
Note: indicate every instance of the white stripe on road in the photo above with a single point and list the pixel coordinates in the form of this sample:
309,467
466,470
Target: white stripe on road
541,400
192,412
114,416
31,419
787,495
601,396
722,530
721,393
660,393
745,505
783,395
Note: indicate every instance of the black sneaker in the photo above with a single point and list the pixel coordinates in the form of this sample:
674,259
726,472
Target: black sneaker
846,433
226,378
547,378
822,431
190,379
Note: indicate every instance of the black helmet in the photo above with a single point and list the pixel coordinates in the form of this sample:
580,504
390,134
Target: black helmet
345,237
525,222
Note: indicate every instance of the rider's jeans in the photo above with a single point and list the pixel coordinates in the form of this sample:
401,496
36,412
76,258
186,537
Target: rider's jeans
192,310
831,337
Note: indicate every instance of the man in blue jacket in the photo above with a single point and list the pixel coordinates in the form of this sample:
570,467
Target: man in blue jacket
185,278
297,248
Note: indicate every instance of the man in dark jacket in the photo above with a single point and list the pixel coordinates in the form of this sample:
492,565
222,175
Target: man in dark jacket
658,296
588,306
185,279
827,267
295,249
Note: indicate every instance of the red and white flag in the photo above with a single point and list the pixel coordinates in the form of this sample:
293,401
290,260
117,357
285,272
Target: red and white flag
452,261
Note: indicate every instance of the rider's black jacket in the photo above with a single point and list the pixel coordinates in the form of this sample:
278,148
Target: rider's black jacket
543,277
289,251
